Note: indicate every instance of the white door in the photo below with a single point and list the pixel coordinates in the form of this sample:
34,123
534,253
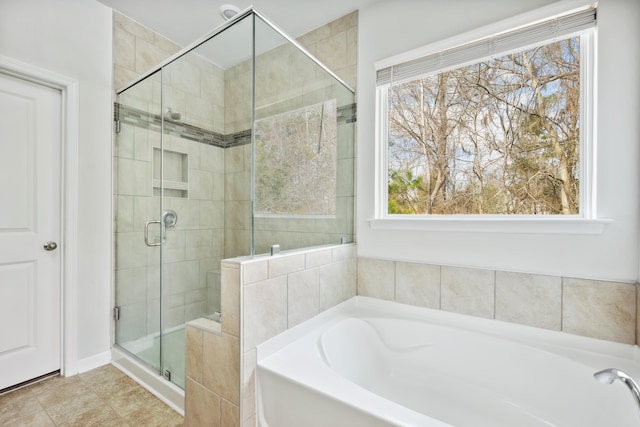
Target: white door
30,295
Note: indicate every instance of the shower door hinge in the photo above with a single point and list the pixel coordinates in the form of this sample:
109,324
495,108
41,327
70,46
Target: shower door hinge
166,374
116,313
118,127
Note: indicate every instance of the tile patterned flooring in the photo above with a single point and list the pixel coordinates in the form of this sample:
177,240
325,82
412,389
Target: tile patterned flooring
103,397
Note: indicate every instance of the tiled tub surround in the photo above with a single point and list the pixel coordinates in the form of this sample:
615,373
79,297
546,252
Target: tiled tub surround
261,297
592,308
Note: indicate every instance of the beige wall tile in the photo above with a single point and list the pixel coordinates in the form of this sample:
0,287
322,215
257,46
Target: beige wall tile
148,56
130,250
605,310
281,265
315,36
254,272
529,299
230,300
376,278
249,384
237,215
200,185
343,252
134,177
123,23
250,422
221,366
234,159
193,362
229,415
124,49
212,215
165,44
303,296
238,185
264,310
468,291
202,407
337,283
418,284
318,258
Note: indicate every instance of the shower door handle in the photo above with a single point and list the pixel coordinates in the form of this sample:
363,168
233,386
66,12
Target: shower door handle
146,233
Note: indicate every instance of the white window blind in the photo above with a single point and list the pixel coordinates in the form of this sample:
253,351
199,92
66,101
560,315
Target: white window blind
548,30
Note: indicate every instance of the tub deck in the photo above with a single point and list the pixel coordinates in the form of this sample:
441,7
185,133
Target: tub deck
369,362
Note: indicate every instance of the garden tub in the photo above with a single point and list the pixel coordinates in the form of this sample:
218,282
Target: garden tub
369,362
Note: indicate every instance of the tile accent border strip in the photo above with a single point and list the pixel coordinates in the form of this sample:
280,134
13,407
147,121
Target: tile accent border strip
144,119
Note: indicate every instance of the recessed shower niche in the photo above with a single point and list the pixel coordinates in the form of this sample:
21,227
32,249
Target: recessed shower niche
187,142
173,166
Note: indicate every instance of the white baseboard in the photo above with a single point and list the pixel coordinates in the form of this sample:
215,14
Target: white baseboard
93,362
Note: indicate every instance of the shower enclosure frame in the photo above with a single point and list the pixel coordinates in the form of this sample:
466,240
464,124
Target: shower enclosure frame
127,361
239,17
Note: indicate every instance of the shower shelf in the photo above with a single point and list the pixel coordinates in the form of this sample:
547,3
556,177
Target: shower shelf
176,173
172,185
172,189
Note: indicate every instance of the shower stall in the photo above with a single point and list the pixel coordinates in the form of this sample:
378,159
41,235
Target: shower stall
240,142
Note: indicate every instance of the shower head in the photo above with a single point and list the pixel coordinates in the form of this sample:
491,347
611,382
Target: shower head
170,114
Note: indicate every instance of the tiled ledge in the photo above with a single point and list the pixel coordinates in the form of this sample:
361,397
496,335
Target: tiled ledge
592,308
206,325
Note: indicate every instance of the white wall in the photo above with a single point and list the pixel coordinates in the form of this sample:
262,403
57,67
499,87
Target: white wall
391,27
73,38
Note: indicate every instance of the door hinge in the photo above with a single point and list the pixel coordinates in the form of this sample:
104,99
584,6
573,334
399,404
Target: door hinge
116,313
118,127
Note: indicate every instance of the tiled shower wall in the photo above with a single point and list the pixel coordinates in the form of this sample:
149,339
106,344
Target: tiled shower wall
597,309
261,297
280,89
269,294
193,249
219,179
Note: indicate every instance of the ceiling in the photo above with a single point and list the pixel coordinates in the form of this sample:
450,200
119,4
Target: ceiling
184,21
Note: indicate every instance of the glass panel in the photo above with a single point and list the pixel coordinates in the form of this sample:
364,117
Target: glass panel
137,265
304,148
206,181
185,173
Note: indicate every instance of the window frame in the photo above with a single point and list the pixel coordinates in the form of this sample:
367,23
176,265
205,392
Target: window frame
585,222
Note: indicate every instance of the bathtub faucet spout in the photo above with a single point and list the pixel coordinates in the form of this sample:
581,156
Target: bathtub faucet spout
608,376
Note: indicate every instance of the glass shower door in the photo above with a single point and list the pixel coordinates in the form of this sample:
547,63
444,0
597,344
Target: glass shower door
138,242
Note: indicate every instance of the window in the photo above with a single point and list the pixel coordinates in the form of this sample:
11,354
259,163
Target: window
296,162
497,126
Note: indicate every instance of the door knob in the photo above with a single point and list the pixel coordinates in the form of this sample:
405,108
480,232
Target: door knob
50,246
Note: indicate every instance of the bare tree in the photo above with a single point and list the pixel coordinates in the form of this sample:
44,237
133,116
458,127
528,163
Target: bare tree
499,137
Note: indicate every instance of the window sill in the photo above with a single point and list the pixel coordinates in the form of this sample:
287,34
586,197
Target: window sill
494,224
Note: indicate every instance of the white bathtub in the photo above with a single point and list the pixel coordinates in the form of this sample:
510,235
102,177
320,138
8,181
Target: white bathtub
371,363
